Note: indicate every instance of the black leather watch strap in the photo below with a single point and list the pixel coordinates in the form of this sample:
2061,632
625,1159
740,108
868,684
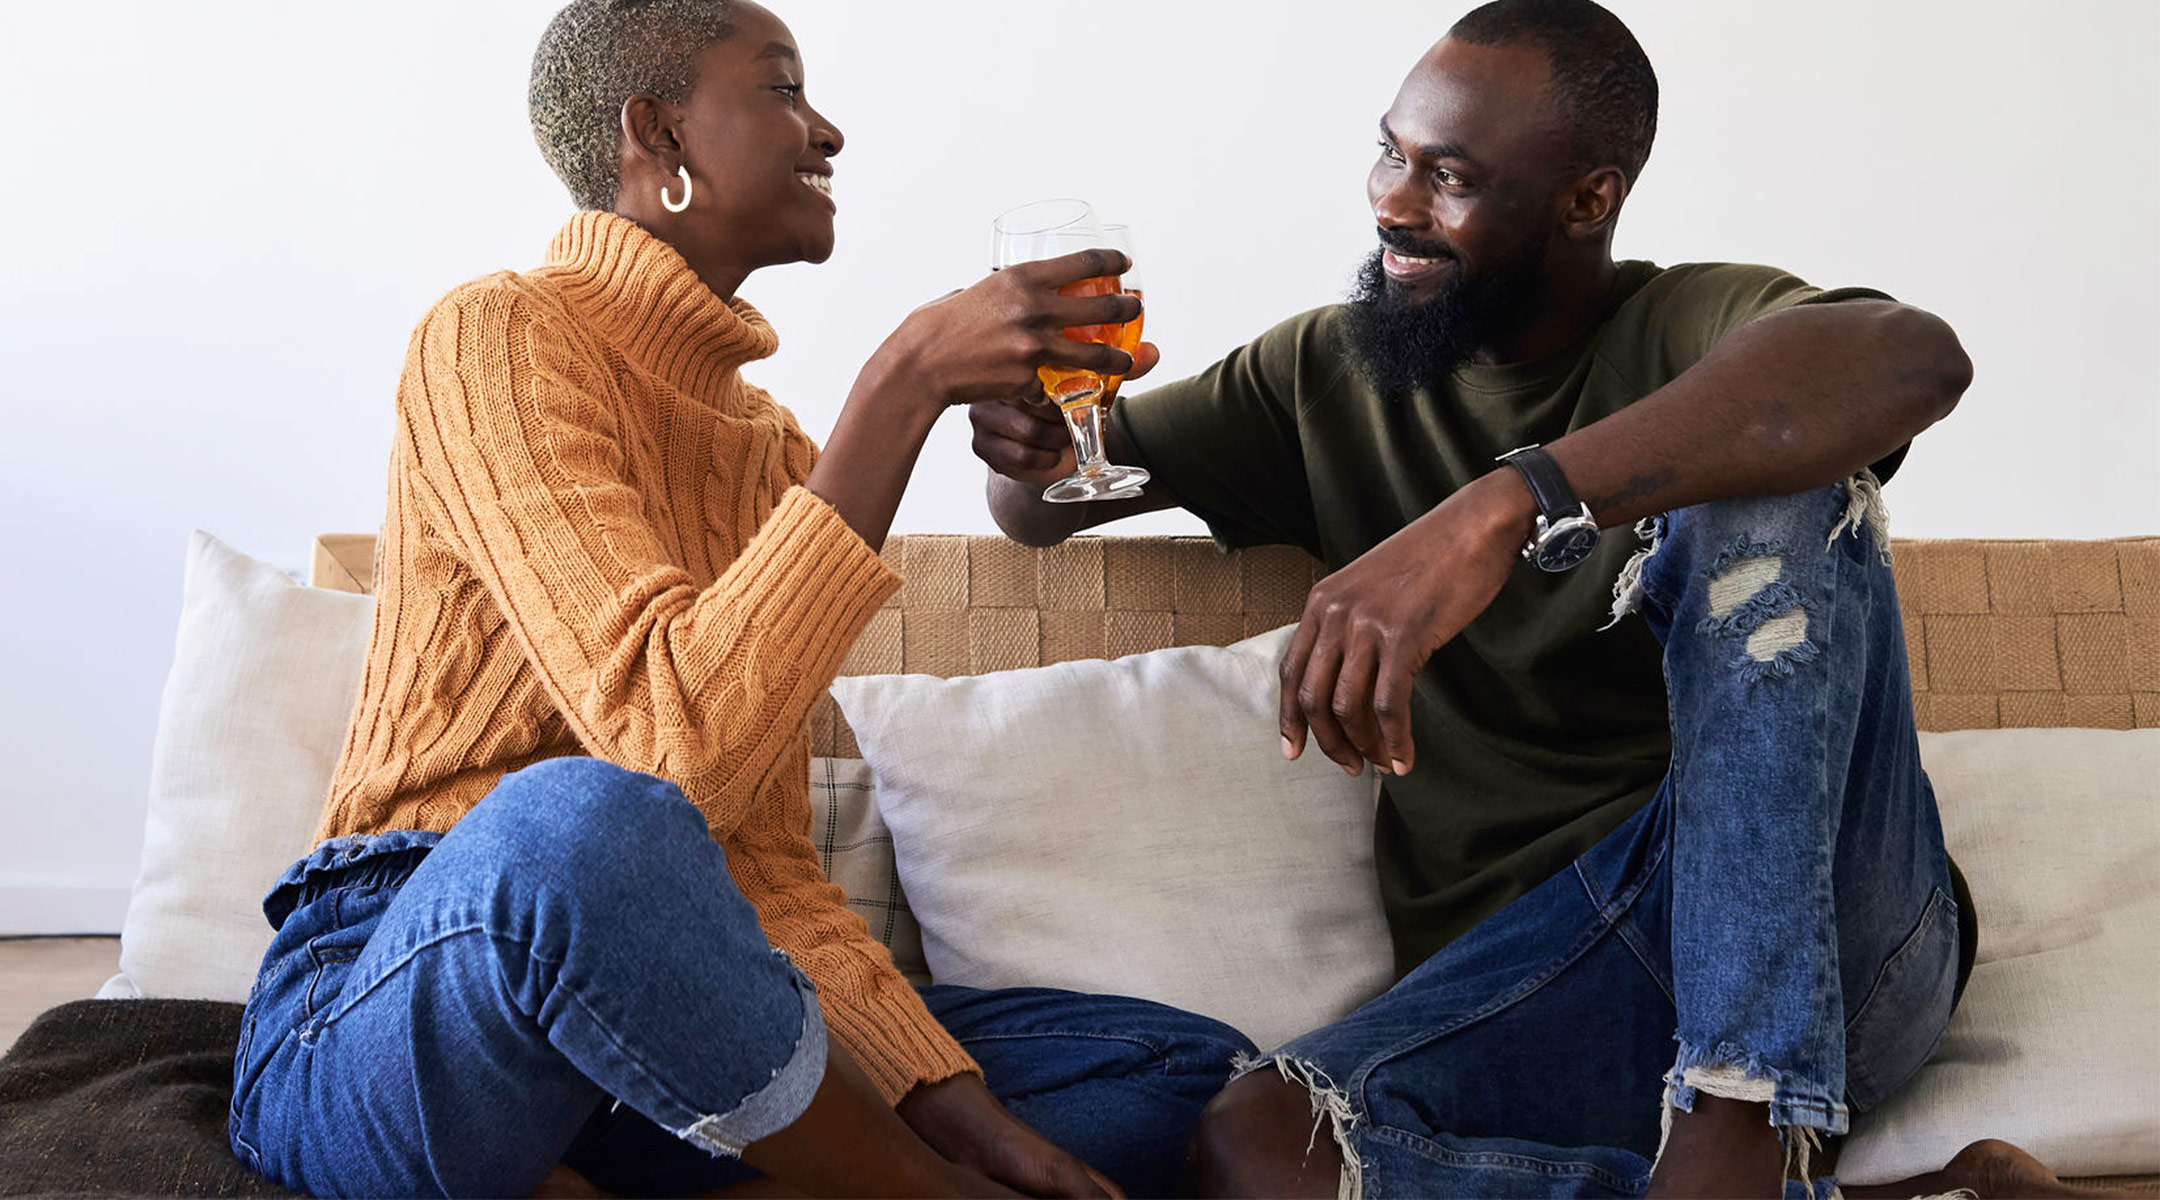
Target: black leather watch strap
1555,498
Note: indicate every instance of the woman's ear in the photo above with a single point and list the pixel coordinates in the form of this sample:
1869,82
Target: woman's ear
648,129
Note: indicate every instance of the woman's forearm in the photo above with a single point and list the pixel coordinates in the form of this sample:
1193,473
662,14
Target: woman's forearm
864,467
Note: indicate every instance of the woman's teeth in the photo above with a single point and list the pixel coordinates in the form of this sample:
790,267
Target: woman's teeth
822,183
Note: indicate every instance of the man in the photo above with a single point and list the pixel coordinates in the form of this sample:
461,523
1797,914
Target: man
1707,823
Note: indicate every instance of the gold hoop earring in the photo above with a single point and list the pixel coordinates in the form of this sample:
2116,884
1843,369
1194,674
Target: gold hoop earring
670,205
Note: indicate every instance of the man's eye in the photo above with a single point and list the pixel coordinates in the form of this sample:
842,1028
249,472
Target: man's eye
1390,153
1447,178
790,90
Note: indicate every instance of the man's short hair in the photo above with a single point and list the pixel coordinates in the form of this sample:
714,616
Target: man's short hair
595,55
1601,79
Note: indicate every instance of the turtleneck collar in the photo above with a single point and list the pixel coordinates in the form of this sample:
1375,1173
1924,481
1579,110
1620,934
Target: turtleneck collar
641,295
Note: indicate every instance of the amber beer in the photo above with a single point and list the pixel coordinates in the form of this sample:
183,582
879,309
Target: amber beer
1072,387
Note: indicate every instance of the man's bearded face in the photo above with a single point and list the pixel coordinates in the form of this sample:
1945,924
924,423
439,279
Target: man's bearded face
1403,339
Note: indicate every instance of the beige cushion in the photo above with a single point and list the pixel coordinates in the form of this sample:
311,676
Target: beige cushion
2057,1044
264,676
1129,826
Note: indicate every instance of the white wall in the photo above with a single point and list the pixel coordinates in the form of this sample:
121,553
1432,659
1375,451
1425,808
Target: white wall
226,216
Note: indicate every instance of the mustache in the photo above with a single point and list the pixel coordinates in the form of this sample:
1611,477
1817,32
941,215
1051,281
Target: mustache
1414,247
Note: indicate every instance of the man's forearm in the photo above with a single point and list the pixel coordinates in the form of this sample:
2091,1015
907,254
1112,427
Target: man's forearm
1027,518
1796,400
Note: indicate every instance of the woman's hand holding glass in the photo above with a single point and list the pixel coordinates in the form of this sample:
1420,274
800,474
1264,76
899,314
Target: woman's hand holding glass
987,342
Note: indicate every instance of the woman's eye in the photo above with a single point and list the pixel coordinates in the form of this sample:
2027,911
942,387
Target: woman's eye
791,90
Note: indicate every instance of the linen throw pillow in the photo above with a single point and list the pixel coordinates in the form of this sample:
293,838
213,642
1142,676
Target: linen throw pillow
2056,1046
265,674
1129,827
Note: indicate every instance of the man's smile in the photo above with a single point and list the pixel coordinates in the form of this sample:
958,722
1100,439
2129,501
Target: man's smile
1409,268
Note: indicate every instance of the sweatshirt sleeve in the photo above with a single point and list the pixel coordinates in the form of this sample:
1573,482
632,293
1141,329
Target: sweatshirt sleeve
513,440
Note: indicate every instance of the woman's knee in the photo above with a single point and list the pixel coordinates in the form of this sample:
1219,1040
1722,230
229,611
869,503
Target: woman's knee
588,833
575,801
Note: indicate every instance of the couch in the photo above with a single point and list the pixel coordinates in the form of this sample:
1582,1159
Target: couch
123,1096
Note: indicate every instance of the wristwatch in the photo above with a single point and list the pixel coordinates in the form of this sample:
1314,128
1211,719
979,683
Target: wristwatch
1565,532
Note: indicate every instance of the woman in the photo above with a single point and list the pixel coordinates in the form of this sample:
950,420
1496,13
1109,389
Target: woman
568,828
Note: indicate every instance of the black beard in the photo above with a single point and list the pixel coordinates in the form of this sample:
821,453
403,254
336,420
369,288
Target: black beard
1400,345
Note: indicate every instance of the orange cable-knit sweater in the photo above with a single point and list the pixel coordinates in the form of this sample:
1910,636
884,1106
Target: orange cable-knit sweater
598,543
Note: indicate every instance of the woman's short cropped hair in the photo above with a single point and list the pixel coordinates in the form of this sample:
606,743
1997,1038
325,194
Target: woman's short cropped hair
598,53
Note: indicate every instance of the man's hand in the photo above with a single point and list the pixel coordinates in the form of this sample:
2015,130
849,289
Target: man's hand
961,1120
1370,627
1024,437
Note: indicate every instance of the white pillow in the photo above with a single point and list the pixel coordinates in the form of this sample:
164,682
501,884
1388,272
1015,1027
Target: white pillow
2056,1046
1130,827
265,673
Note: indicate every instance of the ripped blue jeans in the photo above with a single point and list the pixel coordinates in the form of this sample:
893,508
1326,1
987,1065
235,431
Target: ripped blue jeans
1782,909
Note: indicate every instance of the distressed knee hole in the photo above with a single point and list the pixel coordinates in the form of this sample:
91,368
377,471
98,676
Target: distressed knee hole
1330,1107
1741,582
1778,636
1750,600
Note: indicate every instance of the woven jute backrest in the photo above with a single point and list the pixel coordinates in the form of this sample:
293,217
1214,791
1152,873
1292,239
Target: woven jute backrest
1999,633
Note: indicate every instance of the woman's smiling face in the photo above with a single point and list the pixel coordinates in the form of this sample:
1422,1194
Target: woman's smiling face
759,155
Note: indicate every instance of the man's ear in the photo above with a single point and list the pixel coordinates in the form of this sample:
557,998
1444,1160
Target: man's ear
648,129
1590,204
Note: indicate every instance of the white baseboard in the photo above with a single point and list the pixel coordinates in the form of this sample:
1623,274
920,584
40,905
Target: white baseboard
48,908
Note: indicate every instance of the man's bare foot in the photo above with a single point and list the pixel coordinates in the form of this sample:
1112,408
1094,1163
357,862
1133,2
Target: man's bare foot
1987,1169
1723,1148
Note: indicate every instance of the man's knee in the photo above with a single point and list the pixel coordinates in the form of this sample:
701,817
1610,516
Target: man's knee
1809,523
1260,1136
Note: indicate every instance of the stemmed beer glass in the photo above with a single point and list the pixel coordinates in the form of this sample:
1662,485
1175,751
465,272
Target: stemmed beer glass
1047,229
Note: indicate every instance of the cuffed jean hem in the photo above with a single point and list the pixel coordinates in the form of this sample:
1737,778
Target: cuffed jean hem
775,1106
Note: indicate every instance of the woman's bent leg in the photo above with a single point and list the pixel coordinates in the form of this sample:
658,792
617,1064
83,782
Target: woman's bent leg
445,1020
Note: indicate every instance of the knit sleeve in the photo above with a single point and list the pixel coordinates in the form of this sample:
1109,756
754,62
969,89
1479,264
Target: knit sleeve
513,440
869,1006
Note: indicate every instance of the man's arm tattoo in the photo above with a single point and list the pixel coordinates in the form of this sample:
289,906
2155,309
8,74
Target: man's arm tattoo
1638,487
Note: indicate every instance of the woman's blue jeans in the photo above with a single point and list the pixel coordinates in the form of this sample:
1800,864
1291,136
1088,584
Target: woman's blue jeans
570,975
1782,910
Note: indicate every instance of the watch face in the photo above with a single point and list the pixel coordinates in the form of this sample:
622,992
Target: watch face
1568,544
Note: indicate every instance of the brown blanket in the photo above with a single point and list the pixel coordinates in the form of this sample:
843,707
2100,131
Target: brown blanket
123,1098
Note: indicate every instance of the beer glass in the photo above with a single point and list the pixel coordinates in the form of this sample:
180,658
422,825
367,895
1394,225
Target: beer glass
1119,237
1048,229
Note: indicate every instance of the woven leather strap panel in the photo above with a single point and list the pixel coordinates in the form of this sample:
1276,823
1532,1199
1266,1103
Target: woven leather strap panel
1999,633
2042,633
